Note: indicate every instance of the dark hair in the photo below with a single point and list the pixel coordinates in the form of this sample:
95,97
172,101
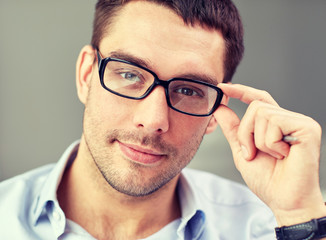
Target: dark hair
221,15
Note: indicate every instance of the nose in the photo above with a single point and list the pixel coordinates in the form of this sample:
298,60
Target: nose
152,113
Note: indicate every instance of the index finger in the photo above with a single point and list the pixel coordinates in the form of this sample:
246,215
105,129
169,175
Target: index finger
246,94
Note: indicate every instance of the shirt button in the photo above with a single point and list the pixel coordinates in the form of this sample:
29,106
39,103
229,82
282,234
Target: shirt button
56,216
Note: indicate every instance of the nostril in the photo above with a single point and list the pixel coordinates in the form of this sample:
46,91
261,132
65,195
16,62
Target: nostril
159,130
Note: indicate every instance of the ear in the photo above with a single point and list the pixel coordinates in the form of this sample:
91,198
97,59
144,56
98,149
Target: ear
212,125
84,70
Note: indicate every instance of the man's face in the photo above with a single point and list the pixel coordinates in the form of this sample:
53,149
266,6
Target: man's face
140,145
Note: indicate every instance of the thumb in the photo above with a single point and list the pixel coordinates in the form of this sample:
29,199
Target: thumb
229,123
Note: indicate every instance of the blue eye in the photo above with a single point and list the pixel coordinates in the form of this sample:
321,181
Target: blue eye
130,76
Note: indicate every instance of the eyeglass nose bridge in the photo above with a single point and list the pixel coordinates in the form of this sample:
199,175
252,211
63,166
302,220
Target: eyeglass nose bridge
158,82
165,84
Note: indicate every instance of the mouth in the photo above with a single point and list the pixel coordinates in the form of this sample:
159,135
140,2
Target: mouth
139,154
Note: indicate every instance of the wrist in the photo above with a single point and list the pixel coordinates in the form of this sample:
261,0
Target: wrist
287,218
314,229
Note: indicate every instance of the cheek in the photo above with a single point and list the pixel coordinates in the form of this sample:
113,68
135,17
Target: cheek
188,129
106,109
188,139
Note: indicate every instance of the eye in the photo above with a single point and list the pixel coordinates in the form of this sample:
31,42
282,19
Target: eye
130,76
186,91
189,91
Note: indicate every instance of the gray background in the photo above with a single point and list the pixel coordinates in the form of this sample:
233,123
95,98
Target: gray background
40,114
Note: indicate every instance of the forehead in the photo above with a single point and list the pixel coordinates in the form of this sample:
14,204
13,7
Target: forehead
158,35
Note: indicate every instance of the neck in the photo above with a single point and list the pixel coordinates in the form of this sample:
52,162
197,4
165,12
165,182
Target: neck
118,216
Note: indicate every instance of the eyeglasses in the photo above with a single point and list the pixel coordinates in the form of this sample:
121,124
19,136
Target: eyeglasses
130,80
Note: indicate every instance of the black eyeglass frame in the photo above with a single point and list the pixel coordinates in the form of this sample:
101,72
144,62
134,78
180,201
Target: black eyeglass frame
102,62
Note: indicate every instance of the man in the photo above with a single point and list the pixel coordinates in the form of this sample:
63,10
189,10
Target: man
125,179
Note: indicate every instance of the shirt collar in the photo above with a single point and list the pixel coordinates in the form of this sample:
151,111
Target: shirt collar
192,214
48,192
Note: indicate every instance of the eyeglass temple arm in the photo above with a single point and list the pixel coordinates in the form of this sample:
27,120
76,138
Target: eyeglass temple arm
99,57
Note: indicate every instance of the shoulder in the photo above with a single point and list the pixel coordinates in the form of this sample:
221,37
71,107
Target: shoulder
17,201
22,187
218,189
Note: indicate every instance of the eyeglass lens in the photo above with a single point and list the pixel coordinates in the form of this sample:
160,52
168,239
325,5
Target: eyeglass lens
132,81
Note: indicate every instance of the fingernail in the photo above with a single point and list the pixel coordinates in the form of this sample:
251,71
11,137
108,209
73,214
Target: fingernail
278,156
245,153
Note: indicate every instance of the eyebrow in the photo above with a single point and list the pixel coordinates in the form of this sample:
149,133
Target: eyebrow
200,77
146,63
130,58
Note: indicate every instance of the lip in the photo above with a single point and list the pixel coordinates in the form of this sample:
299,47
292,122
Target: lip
139,154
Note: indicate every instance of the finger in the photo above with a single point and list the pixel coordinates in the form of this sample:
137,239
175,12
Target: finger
246,129
229,123
284,123
274,140
270,125
253,127
268,139
251,132
246,94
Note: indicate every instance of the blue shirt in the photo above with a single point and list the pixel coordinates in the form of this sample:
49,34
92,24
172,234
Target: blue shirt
211,208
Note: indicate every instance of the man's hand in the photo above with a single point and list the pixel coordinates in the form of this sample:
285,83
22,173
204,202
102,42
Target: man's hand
284,176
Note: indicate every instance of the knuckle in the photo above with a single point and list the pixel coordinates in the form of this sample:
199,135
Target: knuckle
266,96
315,127
256,103
255,106
261,111
311,124
259,105
269,144
275,119
260,144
